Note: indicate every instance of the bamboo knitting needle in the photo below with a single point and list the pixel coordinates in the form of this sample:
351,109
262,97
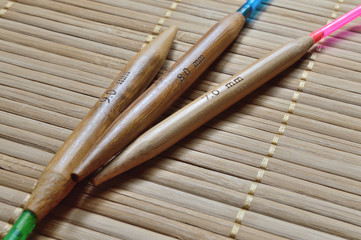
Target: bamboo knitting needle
156,100
55,182
204,108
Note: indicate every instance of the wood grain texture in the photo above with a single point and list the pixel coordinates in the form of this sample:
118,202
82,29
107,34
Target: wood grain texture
55,183
226,153
158,98
201,110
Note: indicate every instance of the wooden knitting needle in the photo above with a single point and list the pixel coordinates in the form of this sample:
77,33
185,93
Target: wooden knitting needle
156,100
55,182
204,108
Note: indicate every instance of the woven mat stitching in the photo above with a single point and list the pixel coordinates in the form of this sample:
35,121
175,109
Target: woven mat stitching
16,214
263,166
161,22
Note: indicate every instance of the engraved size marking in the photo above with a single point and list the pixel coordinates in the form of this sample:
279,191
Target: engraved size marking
109,94
122,77
212,94
198,61
234,82
183,76
215,92
281,130
229,84
186,71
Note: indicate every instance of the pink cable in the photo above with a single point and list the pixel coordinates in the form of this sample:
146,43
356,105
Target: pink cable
336,24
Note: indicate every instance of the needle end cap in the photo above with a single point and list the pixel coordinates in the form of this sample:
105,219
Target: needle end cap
23,226
317,36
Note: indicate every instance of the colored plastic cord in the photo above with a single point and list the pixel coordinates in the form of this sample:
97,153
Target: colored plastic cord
336,24
23,226
249,7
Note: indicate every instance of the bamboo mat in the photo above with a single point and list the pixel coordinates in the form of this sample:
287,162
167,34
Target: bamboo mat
284,163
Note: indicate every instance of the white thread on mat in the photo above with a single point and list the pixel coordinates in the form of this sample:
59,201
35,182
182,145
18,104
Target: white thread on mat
15,215
263,166
26,199
5,230
17,211
6,7
161,22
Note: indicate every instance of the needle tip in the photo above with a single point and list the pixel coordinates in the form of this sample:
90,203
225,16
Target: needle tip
75,177
95,181
101,176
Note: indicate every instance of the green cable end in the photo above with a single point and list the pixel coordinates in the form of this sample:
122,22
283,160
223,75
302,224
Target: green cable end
22,227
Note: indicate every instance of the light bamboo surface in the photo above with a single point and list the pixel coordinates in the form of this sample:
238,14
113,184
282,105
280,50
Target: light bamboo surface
283,163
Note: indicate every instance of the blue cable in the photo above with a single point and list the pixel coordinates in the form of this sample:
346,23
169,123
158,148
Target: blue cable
249,7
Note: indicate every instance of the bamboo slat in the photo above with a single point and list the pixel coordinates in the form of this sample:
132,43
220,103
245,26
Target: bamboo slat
284,163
